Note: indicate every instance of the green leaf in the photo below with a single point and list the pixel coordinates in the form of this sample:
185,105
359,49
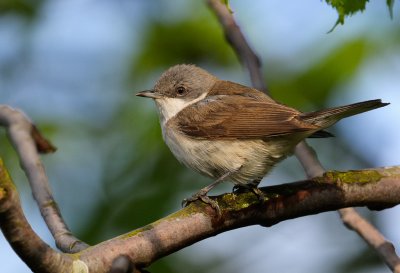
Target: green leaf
345,8
189,40
390,4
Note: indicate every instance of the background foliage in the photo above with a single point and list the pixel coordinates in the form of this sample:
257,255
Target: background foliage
346,8
73,67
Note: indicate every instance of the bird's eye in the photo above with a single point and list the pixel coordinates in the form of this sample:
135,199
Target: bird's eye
180,90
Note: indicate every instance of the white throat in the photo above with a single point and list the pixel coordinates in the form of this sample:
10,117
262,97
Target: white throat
170,107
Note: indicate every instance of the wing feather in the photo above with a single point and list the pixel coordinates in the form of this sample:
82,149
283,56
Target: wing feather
239,117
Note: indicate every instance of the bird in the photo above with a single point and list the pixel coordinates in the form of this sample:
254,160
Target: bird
231,132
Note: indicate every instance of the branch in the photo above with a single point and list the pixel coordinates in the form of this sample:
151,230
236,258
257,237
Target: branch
28,141
26,243
375,188
237,40
375,239
305,154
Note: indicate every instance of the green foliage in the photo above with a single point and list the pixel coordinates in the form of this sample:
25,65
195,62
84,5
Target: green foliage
316,84
195,40
390,4
25,8
346,8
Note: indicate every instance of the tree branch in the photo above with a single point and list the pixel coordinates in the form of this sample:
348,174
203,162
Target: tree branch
305,154
28,141
375,188
30,248
237,40
375,239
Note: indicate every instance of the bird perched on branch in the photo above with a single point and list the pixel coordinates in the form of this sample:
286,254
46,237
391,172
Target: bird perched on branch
231,132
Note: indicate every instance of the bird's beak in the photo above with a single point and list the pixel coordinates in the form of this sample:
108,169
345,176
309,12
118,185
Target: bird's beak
149,94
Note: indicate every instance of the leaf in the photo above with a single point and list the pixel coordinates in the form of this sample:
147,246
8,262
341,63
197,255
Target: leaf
345,8
349,7
390,4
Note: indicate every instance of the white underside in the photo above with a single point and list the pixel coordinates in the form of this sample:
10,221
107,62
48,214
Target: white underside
247,160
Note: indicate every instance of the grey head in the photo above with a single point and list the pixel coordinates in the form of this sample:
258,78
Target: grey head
179,87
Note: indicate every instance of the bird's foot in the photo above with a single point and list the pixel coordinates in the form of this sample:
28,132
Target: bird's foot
241,189
259,193
202,195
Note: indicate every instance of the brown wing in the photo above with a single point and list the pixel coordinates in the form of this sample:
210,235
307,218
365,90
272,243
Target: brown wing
239,117
232,88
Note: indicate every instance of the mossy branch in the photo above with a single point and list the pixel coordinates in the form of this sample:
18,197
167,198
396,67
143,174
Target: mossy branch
373,188
37,255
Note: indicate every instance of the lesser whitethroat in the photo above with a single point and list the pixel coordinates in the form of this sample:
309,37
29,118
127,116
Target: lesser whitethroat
232,132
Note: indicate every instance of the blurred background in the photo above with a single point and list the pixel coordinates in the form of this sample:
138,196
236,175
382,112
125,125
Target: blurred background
73,66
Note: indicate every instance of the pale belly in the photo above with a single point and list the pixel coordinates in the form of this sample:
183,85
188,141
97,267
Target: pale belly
246,160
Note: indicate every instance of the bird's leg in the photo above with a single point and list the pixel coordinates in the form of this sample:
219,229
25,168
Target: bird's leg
202,194
252,186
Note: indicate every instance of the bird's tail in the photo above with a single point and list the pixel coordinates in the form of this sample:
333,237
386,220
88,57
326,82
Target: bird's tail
327,117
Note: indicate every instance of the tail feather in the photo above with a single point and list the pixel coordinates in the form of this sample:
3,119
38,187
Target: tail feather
327,117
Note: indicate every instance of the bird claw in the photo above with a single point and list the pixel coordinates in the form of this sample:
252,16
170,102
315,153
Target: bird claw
259,193
204,198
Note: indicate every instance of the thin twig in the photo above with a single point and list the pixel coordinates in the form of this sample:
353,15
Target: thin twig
376,240
308,159
305,154
27,141
242,49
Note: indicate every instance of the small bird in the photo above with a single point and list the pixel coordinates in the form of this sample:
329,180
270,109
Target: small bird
231,132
